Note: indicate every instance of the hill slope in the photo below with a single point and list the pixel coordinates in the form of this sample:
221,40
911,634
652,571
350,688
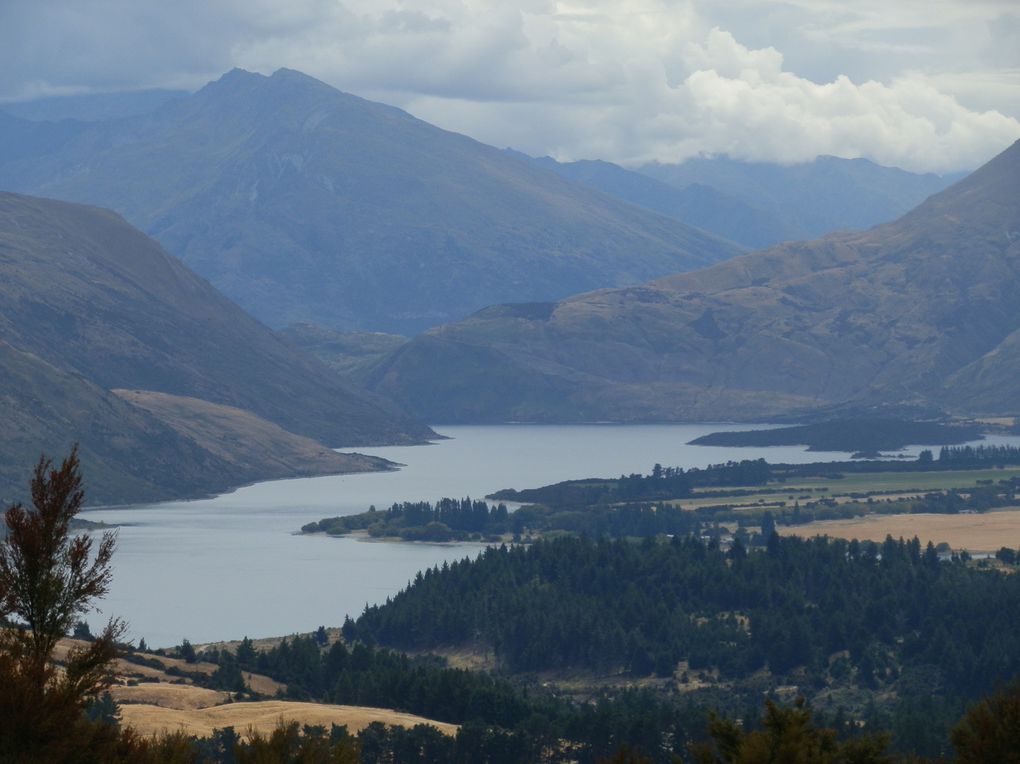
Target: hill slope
923,310
303,203
88,304
85,291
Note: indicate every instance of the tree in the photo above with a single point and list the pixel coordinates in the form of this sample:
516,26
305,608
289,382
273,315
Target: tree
787,735
187,651
990,731
48,580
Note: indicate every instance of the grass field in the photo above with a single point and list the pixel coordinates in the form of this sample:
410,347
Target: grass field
890,485
907,481
183,697
979,533
264,717
154,701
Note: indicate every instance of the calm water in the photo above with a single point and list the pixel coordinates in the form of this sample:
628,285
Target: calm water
232,565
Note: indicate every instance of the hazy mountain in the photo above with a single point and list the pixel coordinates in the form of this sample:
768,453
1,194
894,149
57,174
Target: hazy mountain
92,107
348,353
303,203
89,304
924,310
807,200
694,204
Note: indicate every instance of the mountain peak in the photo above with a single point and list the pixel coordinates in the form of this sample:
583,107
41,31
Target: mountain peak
292,75
307,203
235,81
988,198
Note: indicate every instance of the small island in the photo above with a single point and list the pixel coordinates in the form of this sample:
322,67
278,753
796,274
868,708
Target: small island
866,437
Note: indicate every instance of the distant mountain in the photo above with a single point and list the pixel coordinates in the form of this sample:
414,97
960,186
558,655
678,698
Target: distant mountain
806,200
760,204
92,107
924,311
695,204
303,203
89,304
347,353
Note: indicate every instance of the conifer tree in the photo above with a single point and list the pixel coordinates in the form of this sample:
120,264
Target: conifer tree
48,580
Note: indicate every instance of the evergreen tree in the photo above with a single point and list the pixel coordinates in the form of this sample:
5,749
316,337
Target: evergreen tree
48,580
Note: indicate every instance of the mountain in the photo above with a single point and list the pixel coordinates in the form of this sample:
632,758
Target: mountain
802,201
92,107
923,311
89,305
695,204
306,204
347,353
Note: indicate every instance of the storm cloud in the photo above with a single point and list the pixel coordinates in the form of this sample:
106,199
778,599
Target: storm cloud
924,86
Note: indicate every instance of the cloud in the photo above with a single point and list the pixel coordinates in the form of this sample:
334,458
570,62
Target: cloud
743,103
746,105
630,82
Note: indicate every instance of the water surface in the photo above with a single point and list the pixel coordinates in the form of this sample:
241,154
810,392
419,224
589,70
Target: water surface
230,566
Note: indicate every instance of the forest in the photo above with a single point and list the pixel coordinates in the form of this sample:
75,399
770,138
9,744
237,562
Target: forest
860,628
464,519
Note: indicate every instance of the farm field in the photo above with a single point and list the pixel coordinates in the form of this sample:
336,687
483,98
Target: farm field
983,533
888,485
261,716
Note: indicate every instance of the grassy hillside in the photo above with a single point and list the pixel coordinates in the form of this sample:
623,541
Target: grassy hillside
88,304
920,312
84,291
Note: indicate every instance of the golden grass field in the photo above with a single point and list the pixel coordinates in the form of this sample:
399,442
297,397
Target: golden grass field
987,532
183,697
264,717
153,701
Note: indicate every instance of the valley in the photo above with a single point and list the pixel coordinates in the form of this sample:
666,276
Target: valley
913,318
302,203
671,424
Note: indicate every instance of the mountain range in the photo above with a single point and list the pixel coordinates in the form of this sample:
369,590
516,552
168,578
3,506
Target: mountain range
303,203
809,199
761,204
921,312
108,340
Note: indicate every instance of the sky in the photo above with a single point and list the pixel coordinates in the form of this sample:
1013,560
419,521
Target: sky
927,85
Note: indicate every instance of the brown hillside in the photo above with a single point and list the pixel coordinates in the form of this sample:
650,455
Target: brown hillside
921,311
85,291
88,304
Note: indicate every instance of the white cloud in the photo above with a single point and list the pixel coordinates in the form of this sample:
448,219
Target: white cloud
923,85
744,103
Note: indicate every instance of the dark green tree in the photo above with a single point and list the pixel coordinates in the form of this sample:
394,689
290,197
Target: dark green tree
990,731
48,580
187,651
787,736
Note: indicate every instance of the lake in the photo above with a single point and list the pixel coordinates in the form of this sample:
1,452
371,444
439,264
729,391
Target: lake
232,565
